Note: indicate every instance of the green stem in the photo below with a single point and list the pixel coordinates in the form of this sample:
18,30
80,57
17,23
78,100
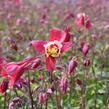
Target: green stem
5,100
30,91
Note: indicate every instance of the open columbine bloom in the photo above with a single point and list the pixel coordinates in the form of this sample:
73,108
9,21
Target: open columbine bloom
54,47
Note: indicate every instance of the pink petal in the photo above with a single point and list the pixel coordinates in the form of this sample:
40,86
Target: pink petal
50,63
39,45
57,34
12,82
16,76
66,46
4,73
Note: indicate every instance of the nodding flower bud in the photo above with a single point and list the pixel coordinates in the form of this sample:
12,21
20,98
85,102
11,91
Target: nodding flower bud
78,81
63,84
11,105
68,34
14,46
40,77
4,85
42,97
72,65
49,91
16,99
86,62
86,48
94,36
3,59
68,16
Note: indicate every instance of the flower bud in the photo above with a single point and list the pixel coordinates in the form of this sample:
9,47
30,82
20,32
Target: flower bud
86,48
42,97
40,77
83,20
16,99
86,62
94,36
78,81
14,46
72,65
49,91
11,105
68,34
68,16
4,85
63,84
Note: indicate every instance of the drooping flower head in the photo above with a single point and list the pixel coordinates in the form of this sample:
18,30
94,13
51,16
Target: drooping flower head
56,45
14,70
83,20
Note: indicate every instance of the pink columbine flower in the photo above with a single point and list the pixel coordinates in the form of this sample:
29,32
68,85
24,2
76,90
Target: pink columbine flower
83,20
54,47
14,70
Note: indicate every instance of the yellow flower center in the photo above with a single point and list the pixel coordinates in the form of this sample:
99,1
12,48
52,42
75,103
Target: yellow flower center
53,50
